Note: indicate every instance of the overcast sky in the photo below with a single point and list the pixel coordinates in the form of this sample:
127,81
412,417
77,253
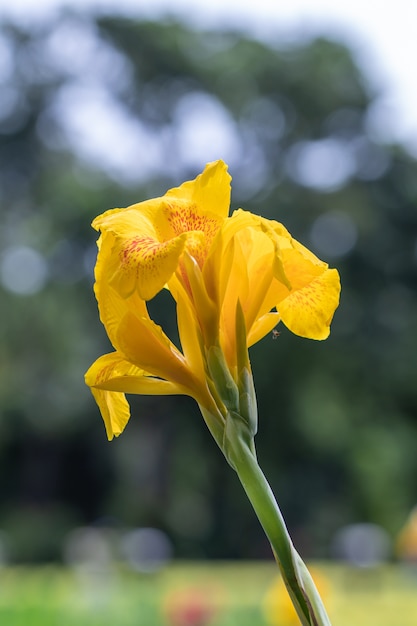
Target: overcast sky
381,33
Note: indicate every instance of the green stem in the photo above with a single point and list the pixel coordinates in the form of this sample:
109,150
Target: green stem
298,581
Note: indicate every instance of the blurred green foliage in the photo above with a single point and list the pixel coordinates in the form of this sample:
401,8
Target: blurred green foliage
338,420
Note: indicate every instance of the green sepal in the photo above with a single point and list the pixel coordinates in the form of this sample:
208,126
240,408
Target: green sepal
224,382
242,356
247,398
248,408
236,434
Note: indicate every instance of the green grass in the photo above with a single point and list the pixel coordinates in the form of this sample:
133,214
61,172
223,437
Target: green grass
50,596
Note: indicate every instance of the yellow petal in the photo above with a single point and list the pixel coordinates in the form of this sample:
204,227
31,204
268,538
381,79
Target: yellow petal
189,331
113,405
207,314
262,327
300,268
114,410
112,305
144,343
308,311
113,373
210,191
235,287
306,292
137,261
259,253
110,377
218,264
248,278
225,272
257,260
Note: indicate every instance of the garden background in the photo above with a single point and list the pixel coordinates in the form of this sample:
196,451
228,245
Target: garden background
297,125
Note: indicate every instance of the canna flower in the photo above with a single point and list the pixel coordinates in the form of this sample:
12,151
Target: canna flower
219,270
233,280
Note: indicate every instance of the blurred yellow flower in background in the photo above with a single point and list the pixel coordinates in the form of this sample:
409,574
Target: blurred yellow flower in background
277,607
406,544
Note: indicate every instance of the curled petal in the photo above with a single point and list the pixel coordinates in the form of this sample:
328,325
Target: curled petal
114,409
112,305
113,405
114,373
308,311
110,377
144,343
306,292
139,262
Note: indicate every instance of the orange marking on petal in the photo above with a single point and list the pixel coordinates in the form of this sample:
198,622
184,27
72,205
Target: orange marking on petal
146,264
142,252
188,219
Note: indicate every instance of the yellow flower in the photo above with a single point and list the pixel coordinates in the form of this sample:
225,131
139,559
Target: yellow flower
214,266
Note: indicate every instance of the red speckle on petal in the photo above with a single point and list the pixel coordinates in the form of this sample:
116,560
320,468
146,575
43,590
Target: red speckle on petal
188,220
143,254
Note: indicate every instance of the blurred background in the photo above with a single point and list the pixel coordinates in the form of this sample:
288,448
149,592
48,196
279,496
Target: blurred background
104,108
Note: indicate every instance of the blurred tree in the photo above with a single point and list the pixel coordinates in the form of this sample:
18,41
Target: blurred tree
103,112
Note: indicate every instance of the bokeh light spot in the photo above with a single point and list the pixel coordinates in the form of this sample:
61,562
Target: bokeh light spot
23,270
6,59
362,545
205,130
146,549
325,165
371,161
333,234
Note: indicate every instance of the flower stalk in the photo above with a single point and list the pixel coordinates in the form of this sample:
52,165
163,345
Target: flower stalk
300,586
238,446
